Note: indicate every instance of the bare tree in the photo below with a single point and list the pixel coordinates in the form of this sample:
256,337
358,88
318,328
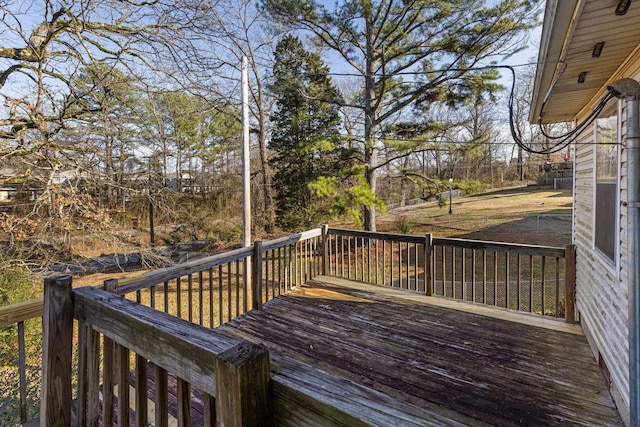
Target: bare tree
46,48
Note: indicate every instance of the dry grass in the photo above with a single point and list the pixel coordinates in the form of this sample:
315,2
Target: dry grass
523,215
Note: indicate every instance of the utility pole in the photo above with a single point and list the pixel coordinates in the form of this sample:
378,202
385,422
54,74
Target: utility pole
246,161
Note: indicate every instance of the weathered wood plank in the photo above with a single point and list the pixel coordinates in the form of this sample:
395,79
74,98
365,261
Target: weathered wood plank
19,312
470,366
298,400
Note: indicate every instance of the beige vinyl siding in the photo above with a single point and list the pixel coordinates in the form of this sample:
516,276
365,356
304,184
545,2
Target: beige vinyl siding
601,286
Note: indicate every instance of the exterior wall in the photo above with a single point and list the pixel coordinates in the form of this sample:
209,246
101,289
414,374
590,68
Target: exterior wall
602,287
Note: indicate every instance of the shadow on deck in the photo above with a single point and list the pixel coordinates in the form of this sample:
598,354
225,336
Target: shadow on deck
347,353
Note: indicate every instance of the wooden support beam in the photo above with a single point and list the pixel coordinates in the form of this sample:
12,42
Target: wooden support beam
242,384
57,343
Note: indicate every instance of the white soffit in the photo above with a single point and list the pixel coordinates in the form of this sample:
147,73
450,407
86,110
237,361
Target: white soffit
570,32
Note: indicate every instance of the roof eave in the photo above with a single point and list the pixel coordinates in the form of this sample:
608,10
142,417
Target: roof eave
557,25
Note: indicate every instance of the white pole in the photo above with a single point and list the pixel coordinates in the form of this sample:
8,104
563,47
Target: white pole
246,161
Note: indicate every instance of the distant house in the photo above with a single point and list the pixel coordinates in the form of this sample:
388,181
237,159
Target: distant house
586,46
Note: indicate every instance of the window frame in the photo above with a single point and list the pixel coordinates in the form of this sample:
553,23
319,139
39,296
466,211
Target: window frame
612,263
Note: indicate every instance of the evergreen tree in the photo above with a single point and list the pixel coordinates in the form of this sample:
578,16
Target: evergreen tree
383,40
305,138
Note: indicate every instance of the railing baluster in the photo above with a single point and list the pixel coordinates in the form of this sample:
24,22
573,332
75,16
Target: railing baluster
445,267
361,259
211,311
161,382
166,297
266,275
22,370
542,284
178,297
237,278
453,271
229,288
273,273
506,280
123,386
473,275
369,275
384,262
557,307
184,402
495,278
279,271
463,266
141,391
377,262
349,258
416,264
220,296
531,283
200,298
190,296
400,265
519,307
484,276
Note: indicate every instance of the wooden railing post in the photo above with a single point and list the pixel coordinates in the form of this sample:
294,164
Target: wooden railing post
242,386
428,265
325,249
57,343
570,283
256,279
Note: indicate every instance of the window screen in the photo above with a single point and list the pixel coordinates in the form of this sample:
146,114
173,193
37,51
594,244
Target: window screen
606,188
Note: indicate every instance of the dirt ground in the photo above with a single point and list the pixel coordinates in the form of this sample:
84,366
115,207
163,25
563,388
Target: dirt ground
522,215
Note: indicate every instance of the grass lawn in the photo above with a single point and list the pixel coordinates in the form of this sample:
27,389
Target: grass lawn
523,215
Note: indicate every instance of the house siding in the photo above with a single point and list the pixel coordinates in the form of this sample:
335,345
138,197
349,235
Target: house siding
601,286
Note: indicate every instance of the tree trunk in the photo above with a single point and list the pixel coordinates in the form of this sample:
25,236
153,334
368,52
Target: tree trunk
520,165
370,154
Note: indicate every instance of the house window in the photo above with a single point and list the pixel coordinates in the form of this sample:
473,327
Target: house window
606,182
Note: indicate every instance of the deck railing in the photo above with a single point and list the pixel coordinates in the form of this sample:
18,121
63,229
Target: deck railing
216,289
213,290
208,292
534,279
230,376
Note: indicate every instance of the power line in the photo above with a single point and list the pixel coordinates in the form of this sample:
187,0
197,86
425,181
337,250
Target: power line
560,141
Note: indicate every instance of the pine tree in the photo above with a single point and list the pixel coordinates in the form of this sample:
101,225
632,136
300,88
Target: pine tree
306,137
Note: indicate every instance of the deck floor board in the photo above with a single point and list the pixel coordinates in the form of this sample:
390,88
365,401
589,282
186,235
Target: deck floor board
484,369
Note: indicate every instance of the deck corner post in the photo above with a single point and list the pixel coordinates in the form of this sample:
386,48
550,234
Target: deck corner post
256,279
242,387
428,265
570,283
325,249
57,344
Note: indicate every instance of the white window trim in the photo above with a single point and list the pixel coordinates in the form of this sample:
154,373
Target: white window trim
612,265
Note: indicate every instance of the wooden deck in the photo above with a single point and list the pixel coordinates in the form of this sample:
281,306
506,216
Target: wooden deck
342,350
